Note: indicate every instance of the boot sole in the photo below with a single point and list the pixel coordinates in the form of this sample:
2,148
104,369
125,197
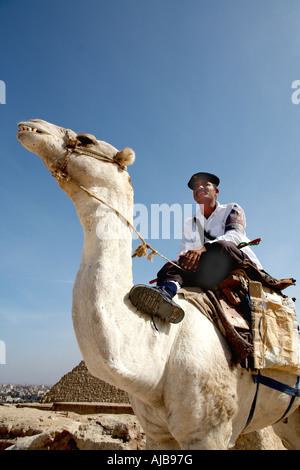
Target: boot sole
152,303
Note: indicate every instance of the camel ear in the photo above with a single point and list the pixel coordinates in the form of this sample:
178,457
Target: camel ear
125,157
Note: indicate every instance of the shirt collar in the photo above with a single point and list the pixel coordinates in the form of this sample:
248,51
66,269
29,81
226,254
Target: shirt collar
200,216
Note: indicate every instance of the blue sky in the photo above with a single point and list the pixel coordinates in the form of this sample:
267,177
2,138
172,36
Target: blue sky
189,85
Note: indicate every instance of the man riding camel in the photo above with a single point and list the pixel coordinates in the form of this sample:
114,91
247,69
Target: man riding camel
208,251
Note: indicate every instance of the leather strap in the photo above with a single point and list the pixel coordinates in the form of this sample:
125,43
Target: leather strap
271,383
202,231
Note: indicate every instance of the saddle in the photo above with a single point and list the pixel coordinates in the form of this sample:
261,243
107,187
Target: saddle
234,295
237,311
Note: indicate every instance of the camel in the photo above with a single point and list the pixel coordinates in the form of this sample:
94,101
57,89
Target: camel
183,385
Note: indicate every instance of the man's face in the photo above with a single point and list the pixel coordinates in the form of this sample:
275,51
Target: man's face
205,192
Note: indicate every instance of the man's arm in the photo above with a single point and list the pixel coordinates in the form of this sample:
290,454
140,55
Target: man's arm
235,232
235,227
190,260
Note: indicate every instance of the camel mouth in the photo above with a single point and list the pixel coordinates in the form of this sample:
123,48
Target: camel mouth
24,127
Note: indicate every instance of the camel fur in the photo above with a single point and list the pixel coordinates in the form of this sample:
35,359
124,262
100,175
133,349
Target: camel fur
182,383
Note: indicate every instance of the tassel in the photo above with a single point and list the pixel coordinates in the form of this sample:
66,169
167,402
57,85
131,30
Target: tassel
150,256
140,251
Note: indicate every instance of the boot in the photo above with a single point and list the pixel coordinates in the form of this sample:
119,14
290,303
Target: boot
156,301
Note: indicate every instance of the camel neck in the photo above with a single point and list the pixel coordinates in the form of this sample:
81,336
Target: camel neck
107,242
105,322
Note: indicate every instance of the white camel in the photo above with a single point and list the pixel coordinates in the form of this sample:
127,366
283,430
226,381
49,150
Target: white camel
183,386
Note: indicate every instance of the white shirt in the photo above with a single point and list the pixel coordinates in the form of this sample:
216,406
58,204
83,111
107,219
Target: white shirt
227,222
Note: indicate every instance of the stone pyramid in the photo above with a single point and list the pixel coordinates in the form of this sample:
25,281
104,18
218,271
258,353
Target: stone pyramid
80,386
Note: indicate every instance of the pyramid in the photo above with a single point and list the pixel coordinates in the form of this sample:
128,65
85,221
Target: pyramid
80,386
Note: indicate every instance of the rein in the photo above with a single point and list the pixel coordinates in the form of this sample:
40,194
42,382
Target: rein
62,174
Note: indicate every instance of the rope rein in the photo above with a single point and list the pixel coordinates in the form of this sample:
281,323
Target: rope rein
61,174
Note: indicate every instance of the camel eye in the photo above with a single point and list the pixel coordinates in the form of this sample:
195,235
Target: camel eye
85,139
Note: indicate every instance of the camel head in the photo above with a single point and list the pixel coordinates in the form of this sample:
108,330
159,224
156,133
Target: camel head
54,144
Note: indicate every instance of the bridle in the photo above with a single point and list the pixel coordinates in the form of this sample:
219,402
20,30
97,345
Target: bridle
61,174
71,147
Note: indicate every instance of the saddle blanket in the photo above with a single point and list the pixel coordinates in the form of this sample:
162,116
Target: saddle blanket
275,339
275,331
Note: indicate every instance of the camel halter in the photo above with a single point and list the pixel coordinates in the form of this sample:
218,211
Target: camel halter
62,174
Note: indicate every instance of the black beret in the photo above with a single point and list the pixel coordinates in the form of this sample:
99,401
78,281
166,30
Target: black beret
203,176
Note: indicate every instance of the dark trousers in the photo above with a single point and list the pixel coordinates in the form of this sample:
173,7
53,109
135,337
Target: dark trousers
220,258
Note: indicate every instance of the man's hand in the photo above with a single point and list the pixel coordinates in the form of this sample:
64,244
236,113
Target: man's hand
190,259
